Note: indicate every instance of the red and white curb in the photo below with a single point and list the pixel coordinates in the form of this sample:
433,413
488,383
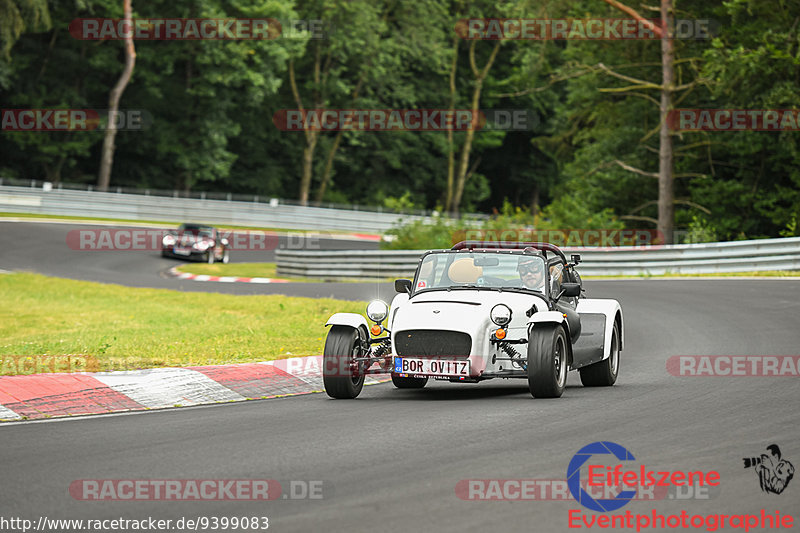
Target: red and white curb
223,279
54,395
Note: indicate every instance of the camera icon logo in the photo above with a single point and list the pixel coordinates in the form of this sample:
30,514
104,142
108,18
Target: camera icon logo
774,473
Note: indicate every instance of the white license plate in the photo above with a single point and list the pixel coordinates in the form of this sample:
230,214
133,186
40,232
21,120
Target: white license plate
181,251
431,367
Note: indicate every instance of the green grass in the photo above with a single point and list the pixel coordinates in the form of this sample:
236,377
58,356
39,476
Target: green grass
161,223
126,328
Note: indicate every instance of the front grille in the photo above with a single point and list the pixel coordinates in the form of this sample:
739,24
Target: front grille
432,343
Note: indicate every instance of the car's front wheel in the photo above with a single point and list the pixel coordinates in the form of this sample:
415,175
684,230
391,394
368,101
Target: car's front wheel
547,361
342,378
402,382
210,256
226,256
604,373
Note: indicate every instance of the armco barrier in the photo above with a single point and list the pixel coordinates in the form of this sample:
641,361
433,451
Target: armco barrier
709,258
272,214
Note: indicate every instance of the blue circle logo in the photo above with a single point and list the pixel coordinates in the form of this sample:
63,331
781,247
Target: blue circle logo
574,477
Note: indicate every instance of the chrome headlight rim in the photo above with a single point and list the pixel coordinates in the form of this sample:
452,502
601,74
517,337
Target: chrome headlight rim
500,315
377,311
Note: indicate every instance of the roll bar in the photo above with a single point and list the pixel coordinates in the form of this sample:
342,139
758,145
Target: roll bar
510,245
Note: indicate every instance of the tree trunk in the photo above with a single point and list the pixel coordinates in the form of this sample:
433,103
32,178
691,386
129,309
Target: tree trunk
451,156
463,166
308,167
107,156
310,134
535,200
326,173
666,205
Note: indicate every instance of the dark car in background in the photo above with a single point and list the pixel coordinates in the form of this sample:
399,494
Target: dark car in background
196,241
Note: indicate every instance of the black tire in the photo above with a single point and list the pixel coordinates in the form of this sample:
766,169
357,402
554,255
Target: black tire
408,383
604,373
547,361
341,345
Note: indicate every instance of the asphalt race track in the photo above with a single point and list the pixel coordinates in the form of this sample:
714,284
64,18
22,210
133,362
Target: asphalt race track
42,248
391,460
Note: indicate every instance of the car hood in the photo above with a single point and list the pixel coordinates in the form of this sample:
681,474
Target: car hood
461,310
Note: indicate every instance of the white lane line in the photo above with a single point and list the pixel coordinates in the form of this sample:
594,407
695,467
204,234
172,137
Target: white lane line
8,414
167,387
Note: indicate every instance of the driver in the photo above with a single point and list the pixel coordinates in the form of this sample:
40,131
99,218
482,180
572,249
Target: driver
531,272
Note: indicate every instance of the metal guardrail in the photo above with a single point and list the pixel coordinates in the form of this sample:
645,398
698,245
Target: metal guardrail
272,214
708,258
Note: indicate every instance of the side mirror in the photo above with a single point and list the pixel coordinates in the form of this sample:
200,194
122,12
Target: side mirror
402,286
576,259
571,290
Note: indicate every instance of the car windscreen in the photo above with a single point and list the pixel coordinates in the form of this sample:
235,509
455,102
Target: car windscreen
441,270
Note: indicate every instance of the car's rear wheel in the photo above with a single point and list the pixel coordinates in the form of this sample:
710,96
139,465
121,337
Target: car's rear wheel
547,361
341,377
604,373
402,382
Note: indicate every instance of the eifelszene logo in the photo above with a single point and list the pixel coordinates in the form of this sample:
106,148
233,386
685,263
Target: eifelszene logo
774,473
635,477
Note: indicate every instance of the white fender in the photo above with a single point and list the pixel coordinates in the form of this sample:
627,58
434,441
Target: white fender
354,320
553,317
609,308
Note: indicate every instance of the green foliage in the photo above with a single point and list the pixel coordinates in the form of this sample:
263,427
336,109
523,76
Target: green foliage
212,104
700,230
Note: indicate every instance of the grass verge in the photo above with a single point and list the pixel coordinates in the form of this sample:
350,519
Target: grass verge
127,328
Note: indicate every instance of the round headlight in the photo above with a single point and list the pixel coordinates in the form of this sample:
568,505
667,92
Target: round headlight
377,311
500,314
168,240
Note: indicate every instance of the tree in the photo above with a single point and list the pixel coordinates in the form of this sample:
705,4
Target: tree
107,157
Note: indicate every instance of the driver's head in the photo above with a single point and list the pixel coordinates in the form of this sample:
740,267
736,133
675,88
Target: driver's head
531,271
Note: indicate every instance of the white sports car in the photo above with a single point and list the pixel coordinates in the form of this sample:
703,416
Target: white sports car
480,311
